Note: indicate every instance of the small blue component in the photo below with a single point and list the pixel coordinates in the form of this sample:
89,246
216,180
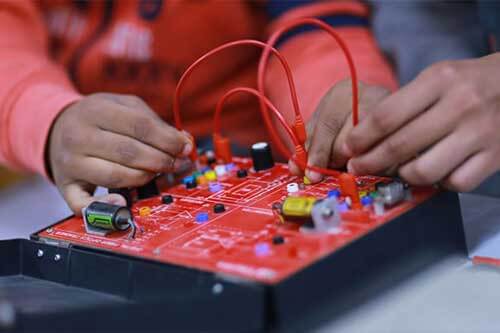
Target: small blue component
366,200
343,207
188,179
205,169
230,166
262,249
334,193
201,217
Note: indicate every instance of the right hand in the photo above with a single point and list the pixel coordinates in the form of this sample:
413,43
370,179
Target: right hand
113,141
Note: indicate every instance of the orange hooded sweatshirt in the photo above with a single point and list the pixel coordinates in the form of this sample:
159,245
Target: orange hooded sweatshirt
52,53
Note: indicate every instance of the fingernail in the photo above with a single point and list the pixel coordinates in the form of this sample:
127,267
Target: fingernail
313,176
292,167
346,149
187,149
350,168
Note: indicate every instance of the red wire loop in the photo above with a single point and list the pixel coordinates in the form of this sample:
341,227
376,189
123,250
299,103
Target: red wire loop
300,155
176,101
262,98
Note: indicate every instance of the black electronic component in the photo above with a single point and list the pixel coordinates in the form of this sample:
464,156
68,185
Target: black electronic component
219,208
147,191
261,156
278,239
191,184
167,199
241,173
124,192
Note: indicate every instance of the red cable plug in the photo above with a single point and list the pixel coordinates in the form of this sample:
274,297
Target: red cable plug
300,129
222,148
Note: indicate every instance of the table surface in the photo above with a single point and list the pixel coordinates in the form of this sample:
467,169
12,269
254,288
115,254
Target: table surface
450,296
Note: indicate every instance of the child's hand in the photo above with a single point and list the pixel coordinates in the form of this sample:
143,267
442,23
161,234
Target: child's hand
330,124
113,141
441,127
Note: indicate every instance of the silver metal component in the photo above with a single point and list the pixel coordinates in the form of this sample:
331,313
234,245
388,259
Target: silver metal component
49,230
217,289
57,257
39,253
378,206
325,215
392,193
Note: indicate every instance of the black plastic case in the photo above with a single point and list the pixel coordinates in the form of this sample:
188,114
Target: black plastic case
54,287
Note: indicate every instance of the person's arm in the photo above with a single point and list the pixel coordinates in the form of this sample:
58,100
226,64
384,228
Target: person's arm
320,70
33,90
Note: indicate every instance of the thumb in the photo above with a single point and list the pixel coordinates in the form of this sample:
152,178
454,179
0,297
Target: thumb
78,196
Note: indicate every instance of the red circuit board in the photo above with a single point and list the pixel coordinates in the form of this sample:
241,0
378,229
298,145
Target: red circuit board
238,241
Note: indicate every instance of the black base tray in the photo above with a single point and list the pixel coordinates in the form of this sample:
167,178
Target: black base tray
90,290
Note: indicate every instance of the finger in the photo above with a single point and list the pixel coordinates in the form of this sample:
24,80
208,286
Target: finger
293,168
311,125
393,112
472,173
108,174
330,117
440,160
339,156
76,196
320,148
409,140
129,152
145,126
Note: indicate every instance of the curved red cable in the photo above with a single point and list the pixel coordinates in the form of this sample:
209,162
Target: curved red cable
265,100
320,24
267,120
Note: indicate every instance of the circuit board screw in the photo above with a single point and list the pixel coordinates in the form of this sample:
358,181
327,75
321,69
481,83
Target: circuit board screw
217,289
39,253
57,257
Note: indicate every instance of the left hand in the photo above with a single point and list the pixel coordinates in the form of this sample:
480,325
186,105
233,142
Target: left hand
443,127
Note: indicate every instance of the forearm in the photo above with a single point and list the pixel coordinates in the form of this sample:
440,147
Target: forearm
33,90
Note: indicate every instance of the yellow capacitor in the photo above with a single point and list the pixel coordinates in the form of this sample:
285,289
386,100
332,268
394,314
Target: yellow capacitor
298,206
210,175
307,181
